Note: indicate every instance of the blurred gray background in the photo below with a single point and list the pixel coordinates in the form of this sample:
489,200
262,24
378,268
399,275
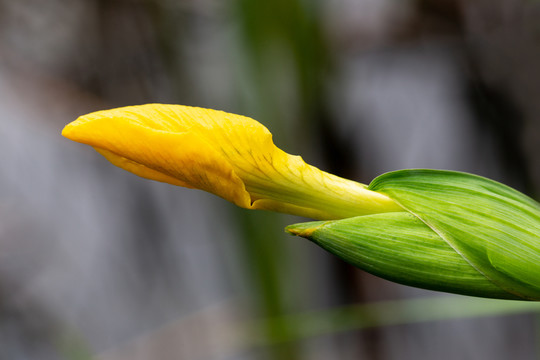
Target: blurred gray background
96,263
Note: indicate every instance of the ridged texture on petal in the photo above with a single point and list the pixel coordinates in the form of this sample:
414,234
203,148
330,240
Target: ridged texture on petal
229,155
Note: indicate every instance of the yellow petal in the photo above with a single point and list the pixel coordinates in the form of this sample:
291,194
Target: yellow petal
229,155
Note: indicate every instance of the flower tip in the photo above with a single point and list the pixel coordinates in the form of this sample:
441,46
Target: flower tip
67,130
70,130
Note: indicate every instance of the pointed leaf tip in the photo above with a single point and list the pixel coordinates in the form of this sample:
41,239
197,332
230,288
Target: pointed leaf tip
401,248
304,230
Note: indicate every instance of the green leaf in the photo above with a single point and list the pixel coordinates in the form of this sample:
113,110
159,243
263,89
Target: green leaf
494,227
399,247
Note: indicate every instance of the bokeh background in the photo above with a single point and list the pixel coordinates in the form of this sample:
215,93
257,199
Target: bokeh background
96,263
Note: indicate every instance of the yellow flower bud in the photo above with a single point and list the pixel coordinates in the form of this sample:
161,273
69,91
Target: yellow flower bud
229,155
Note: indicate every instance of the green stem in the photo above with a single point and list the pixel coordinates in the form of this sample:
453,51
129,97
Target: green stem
356,317
264,255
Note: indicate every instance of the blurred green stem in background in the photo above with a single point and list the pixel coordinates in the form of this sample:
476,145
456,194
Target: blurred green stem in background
287,61
284,57
388,313
265,255
72,346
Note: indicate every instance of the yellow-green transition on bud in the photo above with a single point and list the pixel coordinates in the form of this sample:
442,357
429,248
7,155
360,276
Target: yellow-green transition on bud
229,155
461,233
434,229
